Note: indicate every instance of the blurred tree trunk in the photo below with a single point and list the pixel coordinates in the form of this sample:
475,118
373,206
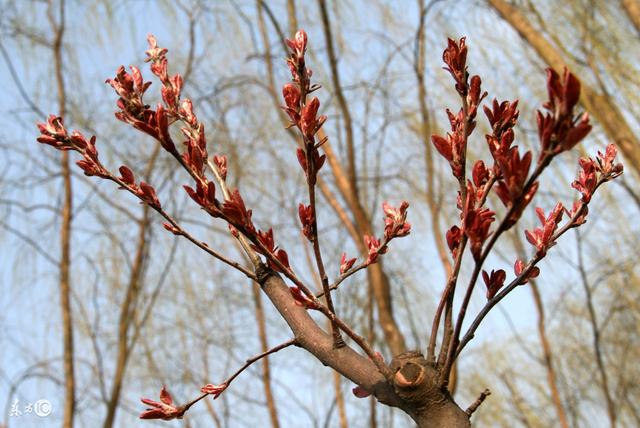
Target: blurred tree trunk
601,106
547,352
129,304
632,8
361,224
291,15
348,187
264,347
58,26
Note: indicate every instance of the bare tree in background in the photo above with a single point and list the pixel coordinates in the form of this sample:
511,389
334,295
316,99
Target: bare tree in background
413,382
381,58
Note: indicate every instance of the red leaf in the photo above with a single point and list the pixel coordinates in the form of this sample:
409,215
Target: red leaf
127,175
360,392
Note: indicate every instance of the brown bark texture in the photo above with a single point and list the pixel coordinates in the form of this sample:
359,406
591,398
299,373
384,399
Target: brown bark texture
413,384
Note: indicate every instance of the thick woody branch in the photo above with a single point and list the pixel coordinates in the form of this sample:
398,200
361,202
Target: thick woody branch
366,372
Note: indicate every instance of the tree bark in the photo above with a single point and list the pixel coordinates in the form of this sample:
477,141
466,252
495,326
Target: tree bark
413,386
600,106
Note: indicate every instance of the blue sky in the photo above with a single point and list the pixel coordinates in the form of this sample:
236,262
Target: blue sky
104,35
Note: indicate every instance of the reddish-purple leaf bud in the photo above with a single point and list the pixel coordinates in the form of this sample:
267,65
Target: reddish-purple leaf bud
480,174
127,175
360,392
493,281
154,53
211,192
214,390
375,249
443,146
221,163
148,194
301,40
164,409
346,264
454,236
282,256
305,212
308,122
291,94
171,228
301,300
302,159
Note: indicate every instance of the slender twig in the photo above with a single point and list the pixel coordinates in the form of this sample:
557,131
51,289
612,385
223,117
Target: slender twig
182,232
517,281
595,333
255,259
450,289
502,227
255,358
451,282
354,269
247,363
337,339
474,406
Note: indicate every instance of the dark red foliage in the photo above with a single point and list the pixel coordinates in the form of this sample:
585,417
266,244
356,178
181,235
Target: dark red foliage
542,237
305,212
519,267
558,129
163,409
455,57
395,222
346,264
493,281
237,213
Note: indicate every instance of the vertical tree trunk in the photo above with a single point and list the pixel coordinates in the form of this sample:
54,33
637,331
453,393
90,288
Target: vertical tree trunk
548,356
291,15
126,317
58,25
547,352
342,411
264,347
